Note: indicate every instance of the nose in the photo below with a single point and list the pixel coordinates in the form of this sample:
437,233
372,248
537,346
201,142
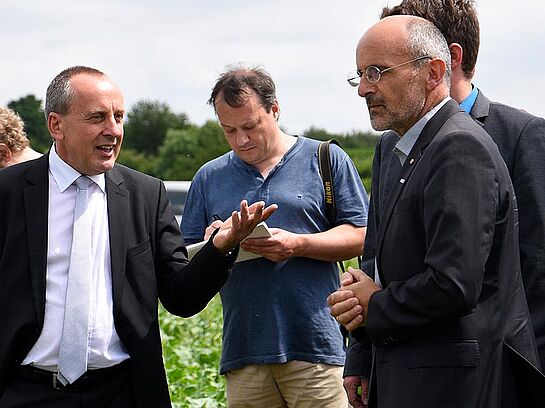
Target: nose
242,138
113,127
365,88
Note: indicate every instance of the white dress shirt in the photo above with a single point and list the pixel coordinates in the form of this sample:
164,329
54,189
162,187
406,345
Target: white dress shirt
104,346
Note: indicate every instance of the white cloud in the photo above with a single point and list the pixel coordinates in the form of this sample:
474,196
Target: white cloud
173,51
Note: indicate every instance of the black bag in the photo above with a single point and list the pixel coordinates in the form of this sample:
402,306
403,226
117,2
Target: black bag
324,163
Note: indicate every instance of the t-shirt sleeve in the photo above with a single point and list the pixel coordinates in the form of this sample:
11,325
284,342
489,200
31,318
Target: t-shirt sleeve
194,218
352,201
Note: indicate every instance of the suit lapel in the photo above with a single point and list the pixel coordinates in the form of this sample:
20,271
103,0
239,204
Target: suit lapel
36,204
118,209
427,135
480,109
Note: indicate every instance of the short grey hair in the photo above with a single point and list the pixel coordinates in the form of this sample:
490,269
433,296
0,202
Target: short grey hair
424,38
59,92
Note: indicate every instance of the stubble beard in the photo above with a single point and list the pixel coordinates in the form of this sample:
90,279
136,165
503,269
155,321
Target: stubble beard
403,114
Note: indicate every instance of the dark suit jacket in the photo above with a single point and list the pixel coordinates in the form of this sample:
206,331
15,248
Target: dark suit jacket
447,252
520,138
148,261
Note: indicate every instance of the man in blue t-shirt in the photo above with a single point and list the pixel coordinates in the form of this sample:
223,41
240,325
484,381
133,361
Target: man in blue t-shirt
281,346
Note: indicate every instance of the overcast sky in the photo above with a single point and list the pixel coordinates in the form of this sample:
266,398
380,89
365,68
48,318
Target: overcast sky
173,51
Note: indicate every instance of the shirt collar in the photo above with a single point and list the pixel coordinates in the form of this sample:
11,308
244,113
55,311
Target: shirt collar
65,175
405,144
467,103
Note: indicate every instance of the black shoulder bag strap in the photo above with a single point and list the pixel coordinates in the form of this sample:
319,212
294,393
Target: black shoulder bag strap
324,163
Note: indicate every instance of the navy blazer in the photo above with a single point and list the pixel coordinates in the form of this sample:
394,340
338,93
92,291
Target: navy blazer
148,262
447,252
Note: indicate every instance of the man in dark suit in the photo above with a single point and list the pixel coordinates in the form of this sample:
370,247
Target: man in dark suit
447,303
137,257
520,137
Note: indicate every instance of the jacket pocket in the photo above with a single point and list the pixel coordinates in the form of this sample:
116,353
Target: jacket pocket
139,249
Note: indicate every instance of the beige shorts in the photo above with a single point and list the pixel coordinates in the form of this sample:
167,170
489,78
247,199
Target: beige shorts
295,384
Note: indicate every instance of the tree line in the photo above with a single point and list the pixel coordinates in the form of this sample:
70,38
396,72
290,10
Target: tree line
167,145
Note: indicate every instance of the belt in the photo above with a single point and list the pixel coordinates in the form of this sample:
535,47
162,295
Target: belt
89,378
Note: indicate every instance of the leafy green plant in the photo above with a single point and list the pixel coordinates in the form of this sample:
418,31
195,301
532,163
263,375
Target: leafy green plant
192,350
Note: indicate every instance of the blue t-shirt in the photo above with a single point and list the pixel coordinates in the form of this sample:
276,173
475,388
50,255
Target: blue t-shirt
277,312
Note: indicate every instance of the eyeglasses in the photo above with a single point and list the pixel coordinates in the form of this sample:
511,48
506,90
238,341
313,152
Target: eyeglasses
373,73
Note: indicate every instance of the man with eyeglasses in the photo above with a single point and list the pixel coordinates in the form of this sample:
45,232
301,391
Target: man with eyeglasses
447,302
519,135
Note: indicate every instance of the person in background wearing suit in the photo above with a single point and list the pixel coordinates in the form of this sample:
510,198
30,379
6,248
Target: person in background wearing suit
14,145
520,137
447,305
59,291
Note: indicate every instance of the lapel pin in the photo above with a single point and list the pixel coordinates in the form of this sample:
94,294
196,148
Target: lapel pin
412,161
402,181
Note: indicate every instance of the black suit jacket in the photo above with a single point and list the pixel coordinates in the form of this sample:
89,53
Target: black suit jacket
148,262
520,138
447,252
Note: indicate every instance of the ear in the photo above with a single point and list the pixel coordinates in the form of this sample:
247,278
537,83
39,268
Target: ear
275,109
5,155
456,55
436,73
54,125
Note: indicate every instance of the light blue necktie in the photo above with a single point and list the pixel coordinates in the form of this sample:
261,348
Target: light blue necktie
73,348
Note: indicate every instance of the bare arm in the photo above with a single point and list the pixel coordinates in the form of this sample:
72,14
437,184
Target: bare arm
342,242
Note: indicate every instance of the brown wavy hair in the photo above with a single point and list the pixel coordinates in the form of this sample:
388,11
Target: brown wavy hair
456,19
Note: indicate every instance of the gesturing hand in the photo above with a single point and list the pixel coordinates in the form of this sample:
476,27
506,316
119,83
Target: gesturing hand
241,224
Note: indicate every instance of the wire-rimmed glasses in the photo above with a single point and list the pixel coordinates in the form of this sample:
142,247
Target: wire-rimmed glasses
374,73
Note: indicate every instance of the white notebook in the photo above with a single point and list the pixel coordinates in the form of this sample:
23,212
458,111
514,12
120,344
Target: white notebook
261,230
